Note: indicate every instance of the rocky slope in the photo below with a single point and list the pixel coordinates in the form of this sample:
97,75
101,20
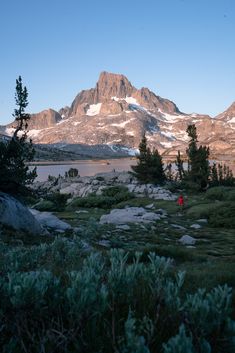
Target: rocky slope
115,114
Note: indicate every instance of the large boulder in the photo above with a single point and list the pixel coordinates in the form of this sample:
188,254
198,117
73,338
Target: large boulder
15,215
130,215
50,221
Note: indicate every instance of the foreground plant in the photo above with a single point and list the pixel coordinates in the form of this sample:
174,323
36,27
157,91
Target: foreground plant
55,298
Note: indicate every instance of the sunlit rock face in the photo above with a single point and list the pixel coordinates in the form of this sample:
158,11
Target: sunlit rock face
116,114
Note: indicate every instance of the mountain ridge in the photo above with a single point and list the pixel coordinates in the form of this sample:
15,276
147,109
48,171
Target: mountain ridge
115,113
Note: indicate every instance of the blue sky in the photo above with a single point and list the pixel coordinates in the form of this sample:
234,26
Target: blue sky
182,50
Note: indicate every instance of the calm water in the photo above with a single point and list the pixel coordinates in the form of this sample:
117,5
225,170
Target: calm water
90,167
85,168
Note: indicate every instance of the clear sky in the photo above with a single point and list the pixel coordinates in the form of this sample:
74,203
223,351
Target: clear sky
183,50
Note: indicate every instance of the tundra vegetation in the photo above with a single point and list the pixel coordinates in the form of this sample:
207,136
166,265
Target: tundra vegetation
134,289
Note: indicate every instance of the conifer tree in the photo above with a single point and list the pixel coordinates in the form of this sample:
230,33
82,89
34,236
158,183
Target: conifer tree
15,174
149,168
198,160
214,175
180,167
221,175
169,172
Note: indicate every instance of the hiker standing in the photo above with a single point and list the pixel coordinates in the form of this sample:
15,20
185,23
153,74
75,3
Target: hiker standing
180,202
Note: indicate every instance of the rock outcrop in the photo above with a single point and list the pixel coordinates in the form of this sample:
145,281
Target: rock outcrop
83,186
130,215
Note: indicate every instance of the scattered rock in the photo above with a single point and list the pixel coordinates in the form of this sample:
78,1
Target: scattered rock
177,226
105,243
195,226
83,186
187,240
150,206
202,220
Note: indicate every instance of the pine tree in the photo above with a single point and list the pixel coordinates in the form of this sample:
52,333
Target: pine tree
15,174
214,175
168,172
180,167
149,168
221,175
198,160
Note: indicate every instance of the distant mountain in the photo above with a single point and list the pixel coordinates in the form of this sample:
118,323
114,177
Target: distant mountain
114,116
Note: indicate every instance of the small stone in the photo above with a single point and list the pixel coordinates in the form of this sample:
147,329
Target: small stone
178,226
104,242
202,220
195,226
123,227
150,206
187,240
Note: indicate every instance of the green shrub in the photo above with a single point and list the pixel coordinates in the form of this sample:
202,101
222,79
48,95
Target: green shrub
110,302
223,216
91,201
204,210
58,200
71,173
110,196
114,190
219,214
100,178
44,205
221,193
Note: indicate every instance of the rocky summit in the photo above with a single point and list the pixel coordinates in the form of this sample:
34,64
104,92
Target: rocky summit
114,115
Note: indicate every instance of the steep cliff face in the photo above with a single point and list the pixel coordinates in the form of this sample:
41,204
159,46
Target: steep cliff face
117,87
116,113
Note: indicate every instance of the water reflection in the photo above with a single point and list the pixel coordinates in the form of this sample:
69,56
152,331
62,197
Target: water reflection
92,167
85,168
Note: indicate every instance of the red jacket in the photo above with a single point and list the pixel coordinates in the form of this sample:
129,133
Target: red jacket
180,201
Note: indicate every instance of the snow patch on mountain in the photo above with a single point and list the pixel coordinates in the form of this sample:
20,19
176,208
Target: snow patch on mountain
94,109
166,144
232,120
34,133
123,124
171,117
168,134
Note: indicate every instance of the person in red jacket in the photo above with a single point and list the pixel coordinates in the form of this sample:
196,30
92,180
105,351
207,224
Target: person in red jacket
180,202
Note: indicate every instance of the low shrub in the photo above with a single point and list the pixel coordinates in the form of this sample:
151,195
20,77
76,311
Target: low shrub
71,173
91,201
115,190
58,200
224,216
219,214
204,210
221,193
106,303
110,196
44,205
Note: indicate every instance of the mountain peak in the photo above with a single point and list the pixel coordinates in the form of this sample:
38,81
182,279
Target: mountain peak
113,85
228,113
